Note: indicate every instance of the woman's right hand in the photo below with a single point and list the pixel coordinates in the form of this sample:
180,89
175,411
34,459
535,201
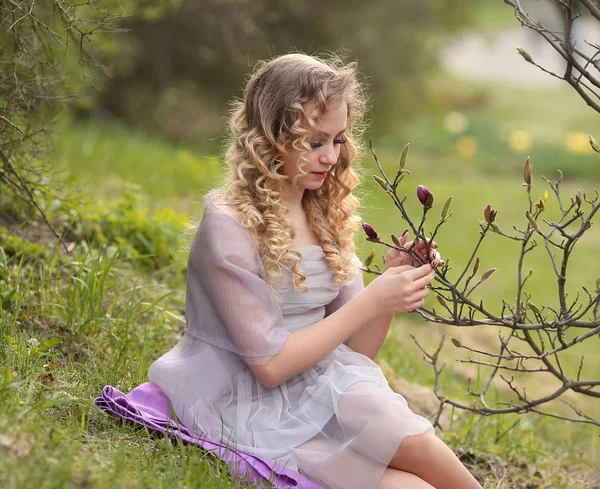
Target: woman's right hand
401,289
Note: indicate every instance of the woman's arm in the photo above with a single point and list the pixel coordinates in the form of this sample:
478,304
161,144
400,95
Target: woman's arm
308,346
398,289
369,339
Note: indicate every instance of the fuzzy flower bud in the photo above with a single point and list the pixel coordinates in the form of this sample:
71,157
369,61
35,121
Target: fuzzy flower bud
594,144
526,56
422,194
527,170
369,230
489,214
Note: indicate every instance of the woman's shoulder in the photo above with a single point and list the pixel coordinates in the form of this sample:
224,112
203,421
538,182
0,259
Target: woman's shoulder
215,203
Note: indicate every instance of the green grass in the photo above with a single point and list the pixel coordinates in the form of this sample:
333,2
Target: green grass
106,317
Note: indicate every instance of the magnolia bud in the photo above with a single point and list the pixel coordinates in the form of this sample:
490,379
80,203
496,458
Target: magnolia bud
526,56
489,214
369,230
541,205
381,182
429,201
531,220
488,274
527,171
369,258
422,194
594,144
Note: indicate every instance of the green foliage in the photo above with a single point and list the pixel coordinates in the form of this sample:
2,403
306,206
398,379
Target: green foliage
78,323
14,246
148,238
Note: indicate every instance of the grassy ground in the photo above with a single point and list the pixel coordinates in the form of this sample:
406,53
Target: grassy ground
106,312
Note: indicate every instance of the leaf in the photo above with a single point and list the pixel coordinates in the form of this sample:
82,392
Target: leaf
52,366
446,208
48,344
47,378
381,182
487,274
403,156
476,266
7,299
594,144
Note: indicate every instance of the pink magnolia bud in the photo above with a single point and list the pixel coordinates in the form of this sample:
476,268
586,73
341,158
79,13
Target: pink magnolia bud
422,193
369,230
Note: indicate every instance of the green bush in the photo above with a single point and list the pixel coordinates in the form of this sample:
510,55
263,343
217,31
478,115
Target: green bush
147,237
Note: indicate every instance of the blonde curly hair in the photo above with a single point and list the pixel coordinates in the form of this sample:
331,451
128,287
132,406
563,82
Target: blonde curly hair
272,116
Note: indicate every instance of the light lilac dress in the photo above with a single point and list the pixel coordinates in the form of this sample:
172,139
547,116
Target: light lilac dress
338,423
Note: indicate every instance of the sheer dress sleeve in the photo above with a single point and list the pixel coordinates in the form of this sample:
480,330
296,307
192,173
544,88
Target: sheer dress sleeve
228,301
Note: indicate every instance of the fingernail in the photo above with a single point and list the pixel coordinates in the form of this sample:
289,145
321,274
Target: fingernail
434,263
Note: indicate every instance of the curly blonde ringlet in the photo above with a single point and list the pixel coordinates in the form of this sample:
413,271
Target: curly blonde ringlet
284,100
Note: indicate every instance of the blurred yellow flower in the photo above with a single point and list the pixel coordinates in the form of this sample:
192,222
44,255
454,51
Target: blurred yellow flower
456,122
578,142
519,141
466,146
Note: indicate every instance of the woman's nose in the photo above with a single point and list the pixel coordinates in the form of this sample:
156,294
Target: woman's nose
330,155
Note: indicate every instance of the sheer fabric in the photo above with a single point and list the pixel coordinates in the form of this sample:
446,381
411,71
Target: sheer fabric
338,423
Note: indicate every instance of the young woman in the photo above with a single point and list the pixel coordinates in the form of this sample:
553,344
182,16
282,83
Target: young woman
277,353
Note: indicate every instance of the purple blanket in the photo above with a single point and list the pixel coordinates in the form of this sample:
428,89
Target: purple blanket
147,405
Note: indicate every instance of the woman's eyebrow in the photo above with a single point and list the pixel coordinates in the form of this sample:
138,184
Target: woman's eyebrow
326,134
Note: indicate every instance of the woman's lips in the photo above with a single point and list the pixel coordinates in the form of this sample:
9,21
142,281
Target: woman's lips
321,174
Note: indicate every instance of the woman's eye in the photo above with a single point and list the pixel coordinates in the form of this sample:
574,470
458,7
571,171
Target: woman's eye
335,141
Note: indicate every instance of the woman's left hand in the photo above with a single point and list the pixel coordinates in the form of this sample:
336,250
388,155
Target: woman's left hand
396,258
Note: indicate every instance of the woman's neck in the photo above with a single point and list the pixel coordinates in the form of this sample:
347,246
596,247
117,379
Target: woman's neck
292,199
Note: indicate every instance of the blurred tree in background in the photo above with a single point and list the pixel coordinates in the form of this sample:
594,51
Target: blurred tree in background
174,72
45,59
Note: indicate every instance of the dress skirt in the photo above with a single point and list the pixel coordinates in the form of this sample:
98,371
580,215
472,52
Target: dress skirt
338,423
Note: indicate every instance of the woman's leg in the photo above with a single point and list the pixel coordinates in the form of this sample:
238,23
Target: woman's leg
375,421
397,479
432,460
319,460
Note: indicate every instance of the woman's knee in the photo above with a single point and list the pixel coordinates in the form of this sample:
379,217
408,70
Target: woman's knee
416,451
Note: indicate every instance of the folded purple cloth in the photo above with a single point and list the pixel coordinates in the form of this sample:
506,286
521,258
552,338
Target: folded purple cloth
147,405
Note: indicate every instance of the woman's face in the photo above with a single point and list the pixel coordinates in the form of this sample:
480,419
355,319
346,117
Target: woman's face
325,144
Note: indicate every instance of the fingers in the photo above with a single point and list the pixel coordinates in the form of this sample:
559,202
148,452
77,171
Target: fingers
404,238
416,273
416,305
424,281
